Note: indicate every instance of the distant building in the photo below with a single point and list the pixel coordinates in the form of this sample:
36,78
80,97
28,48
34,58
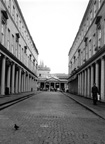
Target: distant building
87,54
18,53
47,81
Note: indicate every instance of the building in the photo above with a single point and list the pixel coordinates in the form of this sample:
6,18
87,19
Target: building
18,53
51,82
87,54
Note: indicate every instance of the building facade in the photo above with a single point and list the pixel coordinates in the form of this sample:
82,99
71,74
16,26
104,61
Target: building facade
86,63
51,82
18,53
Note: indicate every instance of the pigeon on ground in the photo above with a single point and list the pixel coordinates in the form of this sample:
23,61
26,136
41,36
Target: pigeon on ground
16,127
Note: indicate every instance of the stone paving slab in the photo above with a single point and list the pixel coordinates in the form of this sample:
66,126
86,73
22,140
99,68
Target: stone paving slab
98,109
9,98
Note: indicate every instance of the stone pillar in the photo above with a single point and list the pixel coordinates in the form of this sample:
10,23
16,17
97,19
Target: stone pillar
8,77
92,80
80,84
28,82
20,84
3,75
24,81
88,92
97,74
17,81
85,84
13,77
102,79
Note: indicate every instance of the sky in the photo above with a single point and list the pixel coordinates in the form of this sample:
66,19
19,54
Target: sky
53,25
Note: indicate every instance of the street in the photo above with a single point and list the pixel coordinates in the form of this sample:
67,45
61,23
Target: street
50,118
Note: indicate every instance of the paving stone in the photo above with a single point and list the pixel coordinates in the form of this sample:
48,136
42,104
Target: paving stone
50,118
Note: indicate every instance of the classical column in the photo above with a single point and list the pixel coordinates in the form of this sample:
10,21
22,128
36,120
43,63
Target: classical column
92,80
24,81
13,77
8,76
3,75
85,84
20,85
80,83
88,92
97,74
102,78
17,81
28,82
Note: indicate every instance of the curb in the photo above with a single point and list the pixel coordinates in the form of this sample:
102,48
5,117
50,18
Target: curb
87,107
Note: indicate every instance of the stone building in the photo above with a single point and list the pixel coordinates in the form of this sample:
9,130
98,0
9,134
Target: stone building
18,53
87,54
47,81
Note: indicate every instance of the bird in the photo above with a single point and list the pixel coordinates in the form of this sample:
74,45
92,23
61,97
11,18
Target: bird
16,127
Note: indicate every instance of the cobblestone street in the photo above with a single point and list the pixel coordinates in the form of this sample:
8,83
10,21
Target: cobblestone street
50,118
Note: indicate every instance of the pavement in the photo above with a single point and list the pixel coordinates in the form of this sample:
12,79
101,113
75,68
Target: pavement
4,99
98,109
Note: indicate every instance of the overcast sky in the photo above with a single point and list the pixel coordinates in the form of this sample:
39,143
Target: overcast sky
53,25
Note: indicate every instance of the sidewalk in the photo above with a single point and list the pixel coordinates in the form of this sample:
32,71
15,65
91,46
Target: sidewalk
9,98
98,109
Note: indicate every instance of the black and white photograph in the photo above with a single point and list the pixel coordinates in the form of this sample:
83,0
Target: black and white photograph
52,71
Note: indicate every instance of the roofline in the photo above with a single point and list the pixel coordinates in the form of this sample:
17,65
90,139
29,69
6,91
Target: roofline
84,16
26,25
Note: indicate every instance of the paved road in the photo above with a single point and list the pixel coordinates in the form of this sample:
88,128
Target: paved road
50,118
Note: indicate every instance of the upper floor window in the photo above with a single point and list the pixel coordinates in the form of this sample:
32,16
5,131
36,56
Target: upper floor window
25,49
17,19
4,17
8,39
95,8
90,17
99,3
12,46
2,34
9,5
39,75
13,13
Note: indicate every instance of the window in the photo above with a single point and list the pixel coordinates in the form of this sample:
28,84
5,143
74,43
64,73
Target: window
99,38
98,26
95,8
94,43
9,5
17,19
25,49
99,3
90,17
20,25
8,39
19,51
39,75
13,13
87,24
17,42
2,34
12,46
90,47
